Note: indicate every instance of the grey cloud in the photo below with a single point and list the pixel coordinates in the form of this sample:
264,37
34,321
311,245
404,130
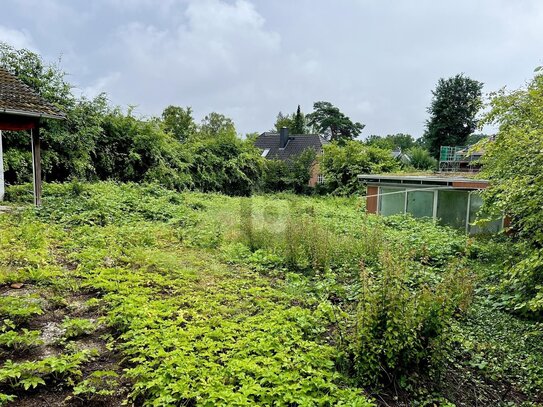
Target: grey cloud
16,38
378,61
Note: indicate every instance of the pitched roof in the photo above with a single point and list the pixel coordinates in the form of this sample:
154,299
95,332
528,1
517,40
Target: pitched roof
296,144
18,98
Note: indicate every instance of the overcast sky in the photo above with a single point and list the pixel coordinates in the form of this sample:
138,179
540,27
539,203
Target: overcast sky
249,59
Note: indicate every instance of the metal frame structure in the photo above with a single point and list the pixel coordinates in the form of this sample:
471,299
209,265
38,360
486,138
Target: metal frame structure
457,159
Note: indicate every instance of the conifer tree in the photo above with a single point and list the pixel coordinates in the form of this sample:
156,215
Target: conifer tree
298,124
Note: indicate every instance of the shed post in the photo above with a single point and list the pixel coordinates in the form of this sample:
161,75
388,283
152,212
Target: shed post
36,163
2,187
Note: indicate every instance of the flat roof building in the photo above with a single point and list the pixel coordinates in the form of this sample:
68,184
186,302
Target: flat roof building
451,200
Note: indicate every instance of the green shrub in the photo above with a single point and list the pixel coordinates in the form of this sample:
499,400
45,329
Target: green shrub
512,162
421,159
293,175
19,341
342,164
31,374
5,399
399,326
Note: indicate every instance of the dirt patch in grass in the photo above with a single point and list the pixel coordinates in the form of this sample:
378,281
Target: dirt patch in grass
55,343
63,398
460,385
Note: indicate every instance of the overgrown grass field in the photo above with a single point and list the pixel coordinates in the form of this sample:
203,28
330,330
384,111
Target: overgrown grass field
124,293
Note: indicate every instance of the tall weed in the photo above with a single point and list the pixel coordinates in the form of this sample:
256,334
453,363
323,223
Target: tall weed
398,325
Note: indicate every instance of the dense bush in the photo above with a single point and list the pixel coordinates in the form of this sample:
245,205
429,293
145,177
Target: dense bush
292,175
513,162
224,163
341,165
98,142
276,176
421,159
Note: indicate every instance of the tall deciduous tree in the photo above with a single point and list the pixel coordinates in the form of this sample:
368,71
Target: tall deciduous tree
455,104
179,122
392,141
216,123
335,125
283,120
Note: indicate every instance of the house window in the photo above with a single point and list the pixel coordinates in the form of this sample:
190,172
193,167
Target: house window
265,152
320,179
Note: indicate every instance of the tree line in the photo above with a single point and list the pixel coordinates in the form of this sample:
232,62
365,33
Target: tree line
98,141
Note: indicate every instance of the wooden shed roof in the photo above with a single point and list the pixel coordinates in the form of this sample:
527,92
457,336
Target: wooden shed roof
17,98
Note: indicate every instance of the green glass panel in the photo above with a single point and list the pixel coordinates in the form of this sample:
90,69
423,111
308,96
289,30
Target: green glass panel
443,153
392,201
420,204
452,208
493,226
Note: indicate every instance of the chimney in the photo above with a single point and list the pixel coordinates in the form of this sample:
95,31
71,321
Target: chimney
283,137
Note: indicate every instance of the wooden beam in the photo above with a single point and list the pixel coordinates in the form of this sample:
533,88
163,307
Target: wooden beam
36,164
16,123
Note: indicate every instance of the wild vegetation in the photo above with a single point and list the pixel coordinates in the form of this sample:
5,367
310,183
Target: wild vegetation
154,274
513,163
98,141
163,298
